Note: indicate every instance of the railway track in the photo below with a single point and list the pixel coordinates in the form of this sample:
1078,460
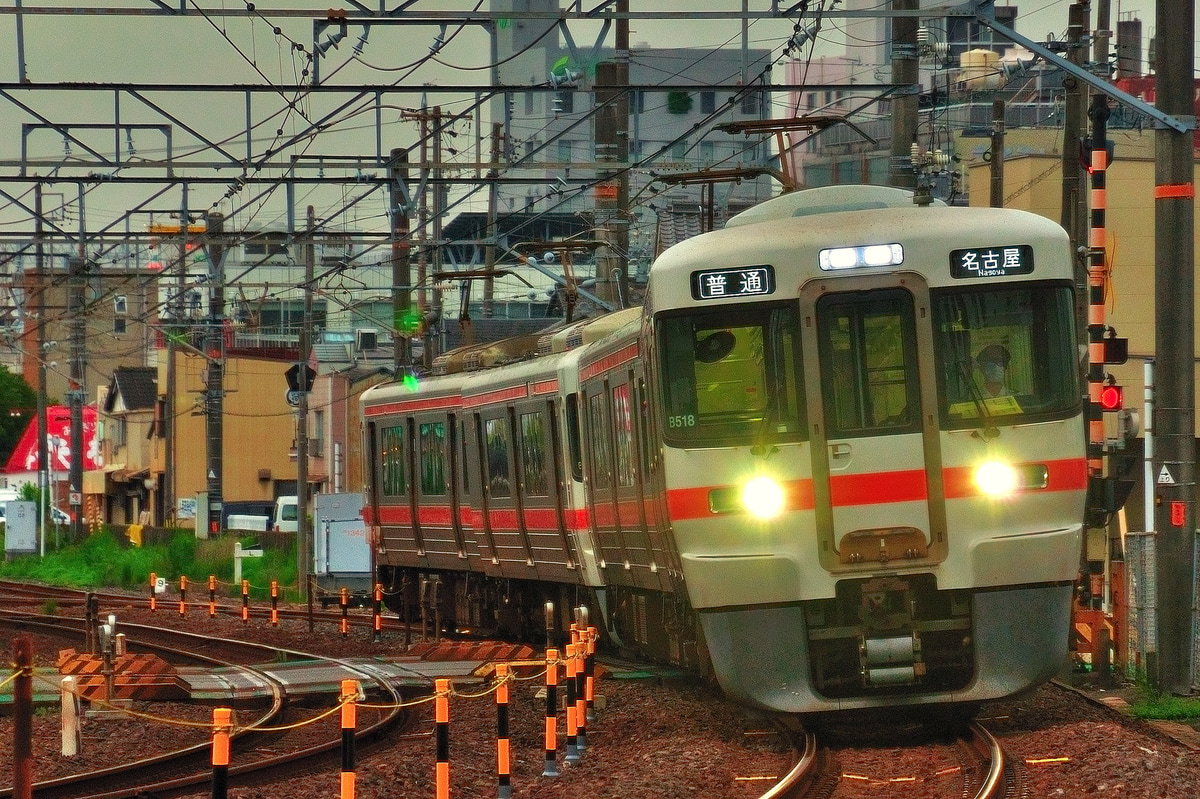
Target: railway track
971,765
277,739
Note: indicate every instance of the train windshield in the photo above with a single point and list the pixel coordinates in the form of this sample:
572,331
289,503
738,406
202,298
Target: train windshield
731,374
1004,353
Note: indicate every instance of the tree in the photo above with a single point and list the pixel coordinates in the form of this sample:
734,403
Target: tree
18,407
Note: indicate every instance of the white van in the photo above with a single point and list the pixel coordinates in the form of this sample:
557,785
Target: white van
287,518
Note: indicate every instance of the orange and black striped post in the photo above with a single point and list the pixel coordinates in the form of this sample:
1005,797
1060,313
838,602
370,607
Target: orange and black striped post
377,620
349,721
222,727
551,769
572,721
153,588
503,759
245,601
441,704
182,594
344,601
212,596
580,699
589,681
274,603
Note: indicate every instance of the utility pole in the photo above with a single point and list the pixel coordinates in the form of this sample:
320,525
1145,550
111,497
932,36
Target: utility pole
997,162
75,312
401,271
1174,356
214,352
42,354
489,249
905,74
304,532
1073,215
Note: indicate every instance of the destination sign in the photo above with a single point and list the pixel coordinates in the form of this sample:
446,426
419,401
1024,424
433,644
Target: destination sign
720,284
1016,259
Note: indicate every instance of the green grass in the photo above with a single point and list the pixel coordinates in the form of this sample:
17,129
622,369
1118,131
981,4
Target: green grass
1171,708
99,561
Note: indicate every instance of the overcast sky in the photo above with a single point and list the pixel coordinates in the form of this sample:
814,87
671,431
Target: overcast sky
215,49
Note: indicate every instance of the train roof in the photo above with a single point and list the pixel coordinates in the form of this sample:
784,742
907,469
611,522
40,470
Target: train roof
826,200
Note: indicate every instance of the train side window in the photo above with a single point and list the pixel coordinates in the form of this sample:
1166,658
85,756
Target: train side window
391,451
868,362
573,437
495,433
432,438
533,454
598,441
623,426
462,442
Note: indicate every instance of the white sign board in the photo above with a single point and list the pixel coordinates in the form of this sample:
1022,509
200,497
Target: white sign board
20,526
187,508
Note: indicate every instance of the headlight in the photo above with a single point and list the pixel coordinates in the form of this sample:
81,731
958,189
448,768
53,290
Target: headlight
995,478
763,497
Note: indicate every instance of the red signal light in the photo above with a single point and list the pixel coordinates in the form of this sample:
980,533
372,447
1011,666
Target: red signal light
1112,398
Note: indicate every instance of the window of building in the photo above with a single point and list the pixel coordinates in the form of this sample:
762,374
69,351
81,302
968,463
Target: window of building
316,447
564,102
750,102
708,102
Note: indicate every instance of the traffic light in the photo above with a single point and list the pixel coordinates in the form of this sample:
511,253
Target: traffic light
1116,350
1112,397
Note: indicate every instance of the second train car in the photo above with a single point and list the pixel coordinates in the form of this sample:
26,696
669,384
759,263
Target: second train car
837,457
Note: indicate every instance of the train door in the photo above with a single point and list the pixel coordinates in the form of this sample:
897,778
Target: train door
877,469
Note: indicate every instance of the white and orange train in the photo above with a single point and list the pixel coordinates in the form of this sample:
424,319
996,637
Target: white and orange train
837,457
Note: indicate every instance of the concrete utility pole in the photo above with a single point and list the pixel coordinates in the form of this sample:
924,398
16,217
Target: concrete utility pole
42,354
997,149
401,270
1174,349
75,396
489,249
304,532
214,351
905,73
1073,214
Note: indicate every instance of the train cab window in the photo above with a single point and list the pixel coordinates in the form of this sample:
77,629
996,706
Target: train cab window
496,436
432,437
623,428
869,362
533,455
391,460
730,374
1004,353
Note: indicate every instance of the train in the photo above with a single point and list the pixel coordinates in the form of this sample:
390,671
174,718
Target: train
836,460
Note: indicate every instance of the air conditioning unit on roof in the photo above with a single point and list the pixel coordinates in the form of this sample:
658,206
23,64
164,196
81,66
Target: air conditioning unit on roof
366,338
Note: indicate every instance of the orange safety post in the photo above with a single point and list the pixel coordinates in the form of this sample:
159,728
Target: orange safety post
274,603
212,596
572,721
551,769
503,758
222,726
349,721
589,682
377,621
153,586
344,600
182,594
442,725
580,699
245,601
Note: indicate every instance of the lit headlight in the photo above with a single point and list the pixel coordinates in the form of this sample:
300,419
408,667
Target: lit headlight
763,497
995,478
836,258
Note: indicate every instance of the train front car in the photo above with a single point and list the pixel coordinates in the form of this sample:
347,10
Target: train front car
874,447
